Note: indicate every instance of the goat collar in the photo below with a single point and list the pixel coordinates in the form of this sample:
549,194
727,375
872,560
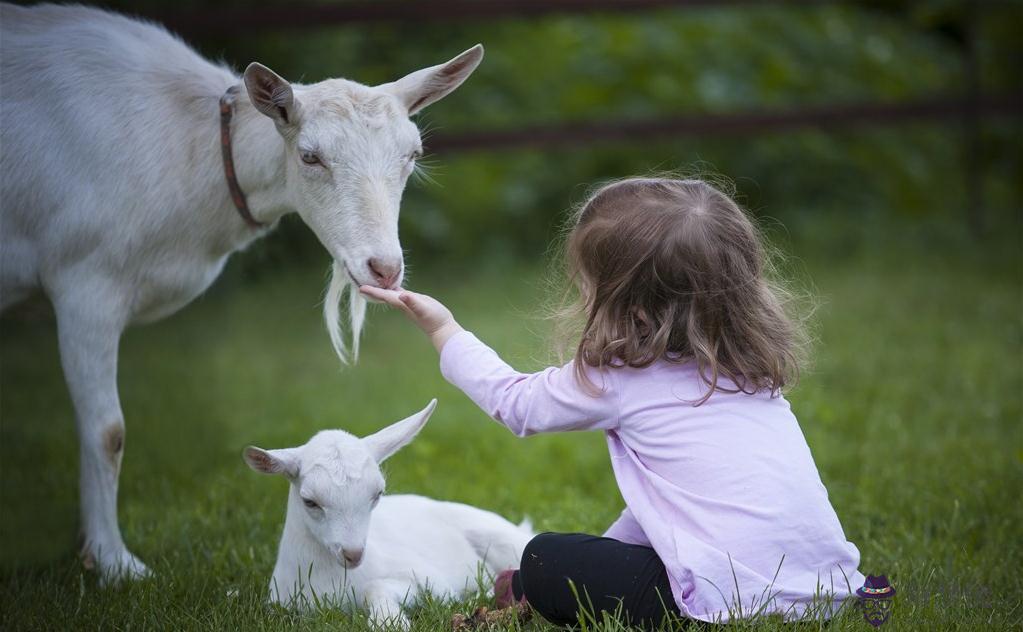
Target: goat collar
237,195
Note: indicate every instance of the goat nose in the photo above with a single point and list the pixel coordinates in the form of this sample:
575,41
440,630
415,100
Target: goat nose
386,270
352,556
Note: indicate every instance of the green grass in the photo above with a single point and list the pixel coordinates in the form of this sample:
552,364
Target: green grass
913,412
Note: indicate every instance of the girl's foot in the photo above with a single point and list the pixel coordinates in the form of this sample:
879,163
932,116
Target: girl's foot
508,610
504,591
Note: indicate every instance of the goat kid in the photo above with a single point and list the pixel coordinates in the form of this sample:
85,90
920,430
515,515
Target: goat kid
331,552
114,202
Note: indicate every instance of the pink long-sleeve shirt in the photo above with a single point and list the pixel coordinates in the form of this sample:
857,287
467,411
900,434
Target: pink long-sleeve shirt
726,492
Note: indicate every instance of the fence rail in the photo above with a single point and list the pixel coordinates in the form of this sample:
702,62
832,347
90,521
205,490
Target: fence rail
820,117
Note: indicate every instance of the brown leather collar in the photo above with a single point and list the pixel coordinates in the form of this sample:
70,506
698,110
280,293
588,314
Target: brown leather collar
237,195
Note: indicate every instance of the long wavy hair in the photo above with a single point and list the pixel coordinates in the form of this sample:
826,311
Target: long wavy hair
673,269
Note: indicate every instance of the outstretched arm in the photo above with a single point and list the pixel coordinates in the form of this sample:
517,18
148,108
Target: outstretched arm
426,312
551,400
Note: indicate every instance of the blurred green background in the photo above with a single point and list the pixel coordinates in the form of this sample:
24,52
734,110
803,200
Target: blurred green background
906,231
586,66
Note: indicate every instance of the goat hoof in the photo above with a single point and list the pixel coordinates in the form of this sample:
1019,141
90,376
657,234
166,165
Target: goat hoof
117,567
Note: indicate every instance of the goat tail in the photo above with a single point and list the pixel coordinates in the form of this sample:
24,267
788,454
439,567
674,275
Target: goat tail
339,280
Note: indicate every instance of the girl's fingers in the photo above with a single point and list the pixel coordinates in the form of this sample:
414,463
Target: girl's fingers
394,298
415,304
387,296
409,300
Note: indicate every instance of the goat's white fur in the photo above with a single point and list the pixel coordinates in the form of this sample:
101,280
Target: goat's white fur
339,282
332,552
113,199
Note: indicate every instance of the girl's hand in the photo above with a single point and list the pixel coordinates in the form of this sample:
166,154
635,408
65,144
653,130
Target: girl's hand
425,311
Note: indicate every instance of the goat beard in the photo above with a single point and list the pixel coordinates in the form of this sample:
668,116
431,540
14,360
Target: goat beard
339,281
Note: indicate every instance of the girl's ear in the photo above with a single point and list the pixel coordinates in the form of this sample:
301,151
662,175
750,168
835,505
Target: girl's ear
386,442
284,461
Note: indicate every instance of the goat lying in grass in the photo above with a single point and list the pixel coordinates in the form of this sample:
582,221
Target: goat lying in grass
330,552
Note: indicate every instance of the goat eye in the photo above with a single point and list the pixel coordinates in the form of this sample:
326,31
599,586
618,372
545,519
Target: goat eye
310,503
310,158
376,498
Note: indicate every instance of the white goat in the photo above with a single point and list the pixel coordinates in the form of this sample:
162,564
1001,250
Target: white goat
330,551
114,200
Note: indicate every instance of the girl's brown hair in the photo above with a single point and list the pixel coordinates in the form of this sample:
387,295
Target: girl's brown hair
673,269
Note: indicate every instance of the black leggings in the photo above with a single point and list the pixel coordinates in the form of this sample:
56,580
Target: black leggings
608,575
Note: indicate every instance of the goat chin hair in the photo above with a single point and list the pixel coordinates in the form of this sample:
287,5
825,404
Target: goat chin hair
339,280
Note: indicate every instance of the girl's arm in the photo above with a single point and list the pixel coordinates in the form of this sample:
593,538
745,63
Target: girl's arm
548,401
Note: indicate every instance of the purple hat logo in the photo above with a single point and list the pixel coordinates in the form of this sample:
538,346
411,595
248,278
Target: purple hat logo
875,599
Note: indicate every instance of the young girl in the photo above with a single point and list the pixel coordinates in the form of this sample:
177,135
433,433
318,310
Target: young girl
683,356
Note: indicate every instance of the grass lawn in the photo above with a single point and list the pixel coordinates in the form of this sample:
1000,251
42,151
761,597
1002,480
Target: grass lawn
913,412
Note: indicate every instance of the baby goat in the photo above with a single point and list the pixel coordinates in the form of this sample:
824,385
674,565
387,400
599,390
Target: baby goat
329,551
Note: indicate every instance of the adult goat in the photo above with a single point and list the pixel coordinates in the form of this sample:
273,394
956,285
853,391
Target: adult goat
131,169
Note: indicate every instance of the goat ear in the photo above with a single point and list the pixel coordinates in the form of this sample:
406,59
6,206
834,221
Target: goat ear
270,93
386,442
283,461
429,85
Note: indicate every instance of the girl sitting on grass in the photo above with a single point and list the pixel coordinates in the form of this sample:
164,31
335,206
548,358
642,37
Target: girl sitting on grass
684,353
